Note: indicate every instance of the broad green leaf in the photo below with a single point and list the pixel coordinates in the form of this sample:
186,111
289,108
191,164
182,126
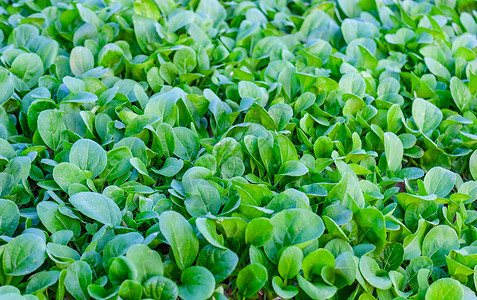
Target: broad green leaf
41,281
372,228
439,181
207,228
185,60
292,227
121,269
6,85
290,262
24,254
78,278
88,156
81,60
392,256
161,288
286,292
148,262
186,143
373,274
437,68
51,127
130,290
97,207
118,163
27,68
438,242
65,174
196,283
473,165
119,245
251,279
460,94
181,237
445,289
9,217
221,262
54,220
316,290
147,8
258,232
292,168
394,151
426,115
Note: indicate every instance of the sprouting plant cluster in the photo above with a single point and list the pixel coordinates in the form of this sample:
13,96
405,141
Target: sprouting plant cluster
206,149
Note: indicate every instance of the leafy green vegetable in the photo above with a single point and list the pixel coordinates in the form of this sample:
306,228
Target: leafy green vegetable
210,149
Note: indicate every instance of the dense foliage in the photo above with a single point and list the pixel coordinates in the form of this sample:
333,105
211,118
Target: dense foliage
238,149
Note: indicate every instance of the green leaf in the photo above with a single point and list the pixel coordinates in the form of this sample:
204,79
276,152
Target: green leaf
315,261
221,262
439,181
88,156
97,207
373,274
392,256
119,245
42,280
438,242
121,269
171,167
148,262
185,60
207,228
286,292
118,163
394,151
251,279
130,290
9,217
290,262
186,143
426,115
54,220
281,113
292,168
27,68
258,232
24,254
292,227
52,128
196,283
80,97
181,237
147,8
460,94
473,165
352,83
372,228
6,85
345,268
437,68
316,290
65,174
78,278
161,288
445,289
81,60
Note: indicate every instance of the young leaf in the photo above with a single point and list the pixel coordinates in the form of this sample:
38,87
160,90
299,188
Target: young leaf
181,237
97,207
251,279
